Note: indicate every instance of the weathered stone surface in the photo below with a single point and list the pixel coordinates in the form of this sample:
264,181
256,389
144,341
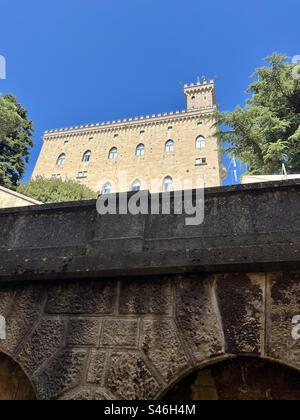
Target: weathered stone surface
241,303
63,373
145,296
120,333
283,305
83,332
86,297
22,316
84,394
247,228
101,395
97,365
129,377
42,345
162,346
198,318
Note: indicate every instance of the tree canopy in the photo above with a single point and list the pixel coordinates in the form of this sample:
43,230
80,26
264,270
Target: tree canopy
56,190
15,141
265,133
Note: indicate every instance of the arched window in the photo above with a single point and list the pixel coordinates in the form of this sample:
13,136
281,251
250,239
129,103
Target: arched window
61,160
169,146
113,153
136,185
107,188
87,156
140,150
200,142
167,184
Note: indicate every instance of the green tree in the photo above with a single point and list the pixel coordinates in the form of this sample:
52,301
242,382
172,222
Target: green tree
15,141
266,132
56,190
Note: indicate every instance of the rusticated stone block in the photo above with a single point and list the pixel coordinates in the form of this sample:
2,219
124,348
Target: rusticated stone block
83,332
162,346
120,333
145,296
96,369
129,378
43,343
197,317
101,395
85,297
241,303
62,374
84,394
283,306
22,316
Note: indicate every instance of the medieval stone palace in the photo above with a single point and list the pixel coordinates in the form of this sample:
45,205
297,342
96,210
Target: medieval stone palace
175,150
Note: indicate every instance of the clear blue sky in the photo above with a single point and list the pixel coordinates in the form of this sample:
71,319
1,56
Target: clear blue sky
71,62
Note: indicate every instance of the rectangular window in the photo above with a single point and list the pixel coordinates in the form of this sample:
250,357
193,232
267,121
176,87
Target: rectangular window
201,161
82,174
55,176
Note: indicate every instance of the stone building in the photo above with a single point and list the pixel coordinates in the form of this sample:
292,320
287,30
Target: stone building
176,150
9,198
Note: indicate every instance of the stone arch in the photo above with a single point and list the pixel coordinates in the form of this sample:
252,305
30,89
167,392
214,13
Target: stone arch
14,383
250,377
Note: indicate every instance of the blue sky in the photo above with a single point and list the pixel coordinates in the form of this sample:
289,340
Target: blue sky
72,62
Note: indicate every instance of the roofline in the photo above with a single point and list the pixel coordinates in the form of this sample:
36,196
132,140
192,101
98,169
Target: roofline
21,196
131,121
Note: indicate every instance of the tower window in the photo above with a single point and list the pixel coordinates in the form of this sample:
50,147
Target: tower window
169,146
136,185
61,160
168,184
140,150
200,142
113,153
87,156
107,188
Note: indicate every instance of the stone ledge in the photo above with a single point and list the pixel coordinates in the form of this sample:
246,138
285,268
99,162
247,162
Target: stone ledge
252,227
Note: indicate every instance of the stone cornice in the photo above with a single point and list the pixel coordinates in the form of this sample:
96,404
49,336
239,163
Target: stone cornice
130,123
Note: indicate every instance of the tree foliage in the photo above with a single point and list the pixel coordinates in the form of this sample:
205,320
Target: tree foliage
56,190
266,132
15,141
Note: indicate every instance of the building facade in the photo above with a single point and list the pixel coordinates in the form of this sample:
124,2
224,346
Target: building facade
176,150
